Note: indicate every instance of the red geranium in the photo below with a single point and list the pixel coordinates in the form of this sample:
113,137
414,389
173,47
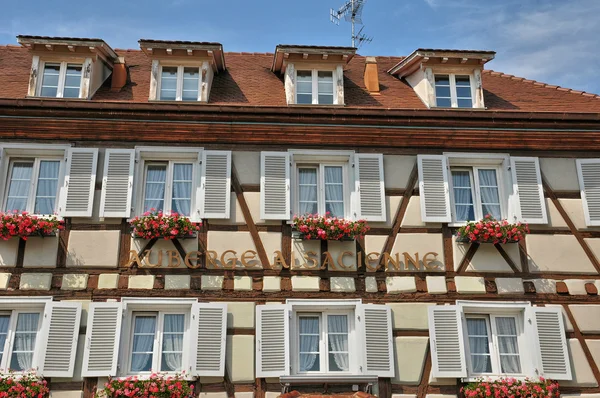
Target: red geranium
24,225
511,387
156,224
156,386
23,385
313,226
490,230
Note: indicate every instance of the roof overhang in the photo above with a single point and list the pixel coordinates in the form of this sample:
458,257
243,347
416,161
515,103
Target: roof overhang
439,56
186,50
69,46
286,52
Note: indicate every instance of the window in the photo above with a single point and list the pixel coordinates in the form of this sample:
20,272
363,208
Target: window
476,193
32,185
323,342
168,187
61,79
315,87
179,83
493,344
453,91
321,189
18,337
157,342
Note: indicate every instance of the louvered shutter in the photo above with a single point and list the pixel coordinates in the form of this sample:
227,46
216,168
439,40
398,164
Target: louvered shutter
117,183
547,330
272,340
209,333
275,186
433,188
60,337
77,199
378,344
216,184
102,340
447,345
527,186
588,171
370,187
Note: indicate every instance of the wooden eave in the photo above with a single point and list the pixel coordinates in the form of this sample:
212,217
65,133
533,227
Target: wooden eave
418,57
315,54
185,50
70,47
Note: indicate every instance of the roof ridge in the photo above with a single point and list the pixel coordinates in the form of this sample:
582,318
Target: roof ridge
540,84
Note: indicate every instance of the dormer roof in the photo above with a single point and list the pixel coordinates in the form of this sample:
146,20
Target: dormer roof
410,64
290,52
70,46
186,50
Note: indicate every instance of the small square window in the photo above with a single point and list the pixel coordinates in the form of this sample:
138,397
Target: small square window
18,338
315,87
168,187
178,83
321,188
453,91
476,193
61,80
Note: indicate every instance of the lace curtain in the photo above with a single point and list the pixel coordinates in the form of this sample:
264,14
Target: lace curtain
47,185
334,191
490,198
479,345
508,346
337,331
463,198
307,191
182,189
172,348
24,345
156,178
309,344
144,330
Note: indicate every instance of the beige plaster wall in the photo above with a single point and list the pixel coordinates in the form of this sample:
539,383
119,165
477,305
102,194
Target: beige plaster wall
397,169
560,173
557,253
241,241
93,249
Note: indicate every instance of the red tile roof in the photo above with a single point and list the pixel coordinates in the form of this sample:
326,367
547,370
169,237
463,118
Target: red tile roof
248,80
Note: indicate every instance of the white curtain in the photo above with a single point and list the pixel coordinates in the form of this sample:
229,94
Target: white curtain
463,198
490,199
24,345
18,191
143,343
182,189
334,191
156,177
45,195
172,348
309,344
479,345
4,321
508,345
337,330
307,191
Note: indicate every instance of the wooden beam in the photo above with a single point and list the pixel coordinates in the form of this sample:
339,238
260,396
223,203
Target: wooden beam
507,258
464,263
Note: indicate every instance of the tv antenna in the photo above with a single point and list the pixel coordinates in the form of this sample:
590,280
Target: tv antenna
351,11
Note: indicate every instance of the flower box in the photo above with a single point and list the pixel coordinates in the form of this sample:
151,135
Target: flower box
490,230
24,225
157,385
157,225
511,387
315,227
23,385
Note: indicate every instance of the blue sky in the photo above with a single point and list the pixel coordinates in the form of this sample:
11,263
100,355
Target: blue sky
553,41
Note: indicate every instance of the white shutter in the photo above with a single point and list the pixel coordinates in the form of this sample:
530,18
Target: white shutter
378,343
60,337
433,188
275,186
209,333
77,199
527,186
370,187
548,333
272,340
447,345
117,183
102,340
216,184
588,171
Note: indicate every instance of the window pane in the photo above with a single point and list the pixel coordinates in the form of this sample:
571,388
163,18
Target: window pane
191,77
462,81
479,345
304,87
325,99
337,337
172,347
304,99
156,177
72,81
4,321
168,83
307,191
490,197
182,189
443,102
442,91
463,195
464,103
18,190
325,87
334,191
50,80
304,76
508,345
309,334
47,186
463,92
142,348
24,344
442,80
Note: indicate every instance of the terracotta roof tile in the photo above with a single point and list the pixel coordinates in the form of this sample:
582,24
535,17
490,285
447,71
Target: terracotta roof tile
248,80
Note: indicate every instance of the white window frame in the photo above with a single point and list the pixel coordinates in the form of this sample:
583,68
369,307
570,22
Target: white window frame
315,84
179,89
169,155
453,92
320,167
61,77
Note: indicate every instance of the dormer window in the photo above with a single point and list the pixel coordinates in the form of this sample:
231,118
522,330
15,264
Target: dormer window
62,80
314,87
453,91
182,71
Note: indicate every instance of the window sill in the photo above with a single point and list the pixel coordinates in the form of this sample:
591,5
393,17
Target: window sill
143,377
192,236
475,379
55,98
328,378
318,105
177,101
